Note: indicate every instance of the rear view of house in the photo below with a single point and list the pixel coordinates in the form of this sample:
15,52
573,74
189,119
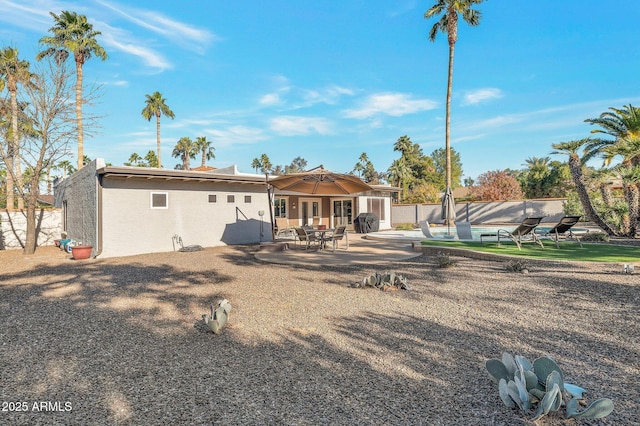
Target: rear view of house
132,210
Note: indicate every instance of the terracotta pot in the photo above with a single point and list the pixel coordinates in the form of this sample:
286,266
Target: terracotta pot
81,252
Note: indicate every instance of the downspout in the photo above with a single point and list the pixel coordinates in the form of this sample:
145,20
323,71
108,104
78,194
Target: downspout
273,232
99,216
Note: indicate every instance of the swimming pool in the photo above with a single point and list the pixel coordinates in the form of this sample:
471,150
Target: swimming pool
441,232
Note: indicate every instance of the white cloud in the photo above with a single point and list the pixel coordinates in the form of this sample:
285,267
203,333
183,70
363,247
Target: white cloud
235,135
291,125
329,95
148,56
270,99
480,95
394,104
176,32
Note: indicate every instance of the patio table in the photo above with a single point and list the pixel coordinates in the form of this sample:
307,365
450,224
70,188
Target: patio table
320,234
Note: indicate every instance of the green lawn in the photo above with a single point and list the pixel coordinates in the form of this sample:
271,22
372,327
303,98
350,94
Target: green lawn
567,250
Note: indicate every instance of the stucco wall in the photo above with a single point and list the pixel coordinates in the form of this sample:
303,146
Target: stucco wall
482,212
130,226
13,228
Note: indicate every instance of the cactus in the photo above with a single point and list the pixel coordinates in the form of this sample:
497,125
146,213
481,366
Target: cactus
540,388
219,316
384,281
598,409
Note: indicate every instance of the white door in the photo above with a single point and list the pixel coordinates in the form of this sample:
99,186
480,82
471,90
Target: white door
309,208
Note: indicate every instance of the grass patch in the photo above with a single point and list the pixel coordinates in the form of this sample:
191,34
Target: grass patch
567,250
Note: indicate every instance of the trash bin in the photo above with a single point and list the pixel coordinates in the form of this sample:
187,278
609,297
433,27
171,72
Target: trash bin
366,222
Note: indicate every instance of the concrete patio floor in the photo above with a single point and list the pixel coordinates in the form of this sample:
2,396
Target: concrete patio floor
361,251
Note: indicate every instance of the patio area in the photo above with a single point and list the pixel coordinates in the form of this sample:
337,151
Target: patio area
361,250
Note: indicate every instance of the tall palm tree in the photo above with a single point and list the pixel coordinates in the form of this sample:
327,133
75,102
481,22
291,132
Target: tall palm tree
134,160
575,166
73,33
155,106
630,179
448,24
623,124
185,149
14,71
206,148
361,165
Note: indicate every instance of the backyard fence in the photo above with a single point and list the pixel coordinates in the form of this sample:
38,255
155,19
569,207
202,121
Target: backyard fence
13,228
551,209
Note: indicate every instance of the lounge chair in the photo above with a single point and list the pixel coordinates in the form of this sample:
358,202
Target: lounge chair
307,237
562,230
282,226
463,230
338,235
526,231
426,229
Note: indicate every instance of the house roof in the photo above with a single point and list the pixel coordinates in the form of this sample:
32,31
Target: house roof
203,169
183,175
46,199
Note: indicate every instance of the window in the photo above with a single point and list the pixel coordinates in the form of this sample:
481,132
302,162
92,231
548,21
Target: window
159,200
213,198
247,199
280,207
231,198
376,206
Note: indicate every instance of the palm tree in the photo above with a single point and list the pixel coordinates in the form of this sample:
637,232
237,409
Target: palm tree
134,160
256,164
151,158
155,106
399,174
185,149
66,167
575,166
14,71
266,164
448,24
361,165
206,148
624,125
73,33
630,179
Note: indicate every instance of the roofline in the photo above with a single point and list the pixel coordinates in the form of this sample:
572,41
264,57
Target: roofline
183,175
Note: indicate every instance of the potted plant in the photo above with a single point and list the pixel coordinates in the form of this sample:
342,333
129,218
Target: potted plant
81,252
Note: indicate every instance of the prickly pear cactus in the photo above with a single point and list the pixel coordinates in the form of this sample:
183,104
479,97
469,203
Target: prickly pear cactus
385,281
219,316
538,388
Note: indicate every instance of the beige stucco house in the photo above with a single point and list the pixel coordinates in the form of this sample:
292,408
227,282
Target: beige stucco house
124,211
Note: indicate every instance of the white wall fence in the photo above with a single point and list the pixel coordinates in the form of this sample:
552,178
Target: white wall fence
13,228
482,212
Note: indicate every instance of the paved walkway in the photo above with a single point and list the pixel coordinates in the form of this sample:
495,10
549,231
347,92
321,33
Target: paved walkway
361,251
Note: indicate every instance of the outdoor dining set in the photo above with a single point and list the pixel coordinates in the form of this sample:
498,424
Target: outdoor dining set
317,236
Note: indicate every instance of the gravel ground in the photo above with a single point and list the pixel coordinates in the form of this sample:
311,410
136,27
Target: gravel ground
121,341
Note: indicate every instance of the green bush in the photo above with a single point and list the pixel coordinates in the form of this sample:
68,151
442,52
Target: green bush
595,237
405,227
443,260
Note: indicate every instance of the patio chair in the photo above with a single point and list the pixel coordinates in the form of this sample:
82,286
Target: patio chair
526,231
338,235
304,236
562,230
463,229
426,229
282,226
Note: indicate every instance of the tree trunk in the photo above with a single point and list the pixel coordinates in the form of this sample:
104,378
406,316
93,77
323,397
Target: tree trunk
158,139
575,166
447,135
79,113
17,168
632,196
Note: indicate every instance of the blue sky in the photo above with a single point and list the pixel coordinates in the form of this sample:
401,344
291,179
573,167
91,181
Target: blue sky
332,79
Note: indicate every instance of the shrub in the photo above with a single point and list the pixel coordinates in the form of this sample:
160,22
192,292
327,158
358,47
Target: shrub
517,265
405,227
595,237
443,260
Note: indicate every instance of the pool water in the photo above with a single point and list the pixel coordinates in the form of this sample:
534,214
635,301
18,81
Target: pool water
441,232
